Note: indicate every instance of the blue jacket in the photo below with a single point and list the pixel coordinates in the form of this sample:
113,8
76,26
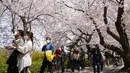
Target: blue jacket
48,47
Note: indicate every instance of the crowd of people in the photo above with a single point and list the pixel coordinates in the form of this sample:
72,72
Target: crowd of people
20,60
76,58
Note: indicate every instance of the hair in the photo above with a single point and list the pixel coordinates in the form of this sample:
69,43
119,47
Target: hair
48,38
81,48
62,46
30,34
21,33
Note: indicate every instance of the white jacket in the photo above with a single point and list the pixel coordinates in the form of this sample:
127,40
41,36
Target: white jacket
24,58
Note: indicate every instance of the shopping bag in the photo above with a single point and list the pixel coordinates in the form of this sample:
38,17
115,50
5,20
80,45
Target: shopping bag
49,55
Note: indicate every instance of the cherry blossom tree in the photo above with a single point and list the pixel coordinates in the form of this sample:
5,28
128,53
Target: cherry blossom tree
89,21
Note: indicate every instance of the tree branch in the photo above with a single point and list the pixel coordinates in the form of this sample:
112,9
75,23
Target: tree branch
88,36
120,28
105,15
3,12
73,8
108,29
108,46
117,1
102,42
68,38
39,16
92,3
1,1
78,35
30,9
82,31
111,18
113,35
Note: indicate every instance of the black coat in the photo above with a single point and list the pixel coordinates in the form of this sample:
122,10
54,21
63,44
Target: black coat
12,60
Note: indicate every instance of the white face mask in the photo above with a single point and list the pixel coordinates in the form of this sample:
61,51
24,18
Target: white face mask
25,38
48,41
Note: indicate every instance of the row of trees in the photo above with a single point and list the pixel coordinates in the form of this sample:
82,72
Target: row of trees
117,20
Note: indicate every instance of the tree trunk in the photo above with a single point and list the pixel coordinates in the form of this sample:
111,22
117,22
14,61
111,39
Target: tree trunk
126,59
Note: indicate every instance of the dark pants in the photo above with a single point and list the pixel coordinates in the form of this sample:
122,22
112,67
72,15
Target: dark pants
46,63
107,61
57,65
25,70
75,65
62,65
12,62
12,69
82,64
69,64
101,63
96,68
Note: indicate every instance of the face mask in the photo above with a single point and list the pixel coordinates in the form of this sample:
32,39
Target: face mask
25,37
16,35
48,41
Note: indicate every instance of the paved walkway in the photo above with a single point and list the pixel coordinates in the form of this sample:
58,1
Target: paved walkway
110,69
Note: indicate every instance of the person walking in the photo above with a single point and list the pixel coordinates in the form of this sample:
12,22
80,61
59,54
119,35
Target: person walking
96,56
63,58
82,58
75,61
70,60
57,59
45,63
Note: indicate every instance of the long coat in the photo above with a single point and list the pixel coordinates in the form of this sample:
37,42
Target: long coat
24,58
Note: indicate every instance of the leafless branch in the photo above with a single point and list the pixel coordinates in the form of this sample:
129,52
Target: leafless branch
92,4
42,23
1,1
111,18
105,15
82,31
69,38
30,9
117,1
108,29
3,12
40,11
108,46
39,16
73,8
113,34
